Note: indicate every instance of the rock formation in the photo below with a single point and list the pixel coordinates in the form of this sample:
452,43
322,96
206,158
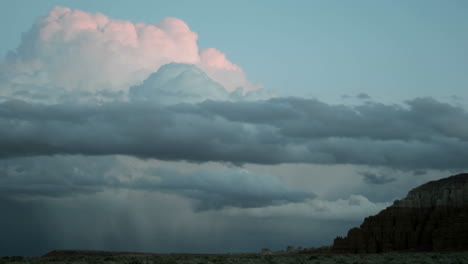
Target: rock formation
433,216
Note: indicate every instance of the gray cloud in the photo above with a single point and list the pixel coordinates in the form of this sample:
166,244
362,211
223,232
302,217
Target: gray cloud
150,222
372,178
419,172
121,203
115,203
359,96
422,134
363,96
58,176
419,119
225,188
65,176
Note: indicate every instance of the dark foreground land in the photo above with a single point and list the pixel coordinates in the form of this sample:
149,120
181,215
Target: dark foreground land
121,258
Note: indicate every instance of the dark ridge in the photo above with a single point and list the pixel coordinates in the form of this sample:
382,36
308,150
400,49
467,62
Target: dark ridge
432,217
461,178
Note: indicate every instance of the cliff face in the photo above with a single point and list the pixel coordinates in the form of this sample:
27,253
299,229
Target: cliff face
433,216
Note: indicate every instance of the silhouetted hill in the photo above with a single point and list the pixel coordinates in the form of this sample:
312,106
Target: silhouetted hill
433,216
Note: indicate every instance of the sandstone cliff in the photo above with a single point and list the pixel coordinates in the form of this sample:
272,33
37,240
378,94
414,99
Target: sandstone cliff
433,216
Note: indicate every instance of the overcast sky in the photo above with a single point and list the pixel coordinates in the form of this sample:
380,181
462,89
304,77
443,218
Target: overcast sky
208,126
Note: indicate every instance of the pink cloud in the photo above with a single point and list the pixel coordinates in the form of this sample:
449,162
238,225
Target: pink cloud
211,57
220,69
81,51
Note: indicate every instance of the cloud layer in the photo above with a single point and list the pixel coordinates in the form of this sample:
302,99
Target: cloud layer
122,203
423,134
70,176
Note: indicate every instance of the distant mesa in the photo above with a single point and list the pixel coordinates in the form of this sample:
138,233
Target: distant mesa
432,217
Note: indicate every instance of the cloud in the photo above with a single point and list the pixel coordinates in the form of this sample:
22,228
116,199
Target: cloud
176,83
423,134
149,222
173,83
59,176
225,188
179,83
419,172
122,203
215,64
372,178
363,96
83,88
88,210
359,96
87,53
355,207
210,189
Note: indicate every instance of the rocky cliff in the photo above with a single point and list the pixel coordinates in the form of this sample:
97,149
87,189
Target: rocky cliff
433,216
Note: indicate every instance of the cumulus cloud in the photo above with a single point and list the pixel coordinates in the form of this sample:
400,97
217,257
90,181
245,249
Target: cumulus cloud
176,83
79,52
179,83
218,67
423,134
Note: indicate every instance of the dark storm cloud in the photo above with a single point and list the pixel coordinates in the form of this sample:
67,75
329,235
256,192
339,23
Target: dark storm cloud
22,232
149,223
422,134
218,189
419,172
420,119
70,176
56,176
372,178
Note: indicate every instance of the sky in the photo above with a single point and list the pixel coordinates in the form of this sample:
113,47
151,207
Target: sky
215,126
